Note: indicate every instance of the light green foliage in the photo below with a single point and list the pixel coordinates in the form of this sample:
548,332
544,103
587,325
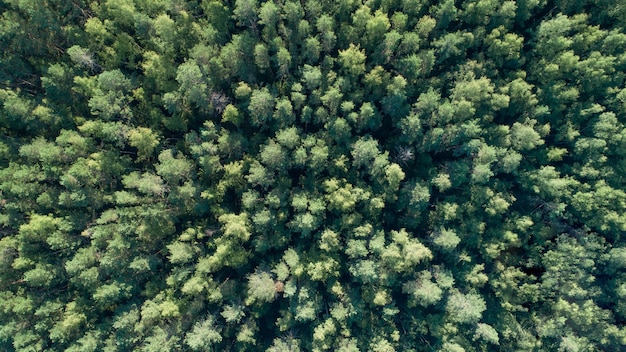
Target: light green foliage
563,275
232,313
394,176
285,345
288,137
261,107
39,277
106,296
381,345
504,46
323,333
42,236
203,336
259,175
193,86
376,27
88,343
329,241
446,239
342,196
110,132
524,137
261,56
312,175
261,288
148,184
180,252
419,197
273,156
422,291
352,60
465,308
364,151
366,118
159,339
452,347
82,57
173,168
235,226
231,114
145,140
110,98
69,325
245,12
404,253
283,61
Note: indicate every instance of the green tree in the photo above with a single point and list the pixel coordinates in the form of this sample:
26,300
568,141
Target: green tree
145,140
465,308
204,335
261,107
110,98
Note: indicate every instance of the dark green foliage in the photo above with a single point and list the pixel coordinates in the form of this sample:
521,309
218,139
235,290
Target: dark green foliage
388,175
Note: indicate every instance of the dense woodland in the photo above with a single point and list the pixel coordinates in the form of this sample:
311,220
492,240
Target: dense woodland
292,175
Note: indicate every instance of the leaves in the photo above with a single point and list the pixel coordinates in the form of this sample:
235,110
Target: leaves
465,308
312,175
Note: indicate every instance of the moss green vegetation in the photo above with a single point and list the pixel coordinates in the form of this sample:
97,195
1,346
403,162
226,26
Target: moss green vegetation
286,175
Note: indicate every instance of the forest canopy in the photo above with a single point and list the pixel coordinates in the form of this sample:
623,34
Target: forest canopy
286,175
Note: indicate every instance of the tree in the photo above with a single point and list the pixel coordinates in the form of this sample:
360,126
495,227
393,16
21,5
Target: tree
174,169
352,60
423,291
364,151
261,56
204,336
261,107
261,288
503,47
283,62
245,12
145,140
465,308
524,137
110,98
193,85
288,344
83,58
445,13
312,175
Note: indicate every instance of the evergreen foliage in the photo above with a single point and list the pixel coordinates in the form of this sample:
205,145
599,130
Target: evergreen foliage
264,175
